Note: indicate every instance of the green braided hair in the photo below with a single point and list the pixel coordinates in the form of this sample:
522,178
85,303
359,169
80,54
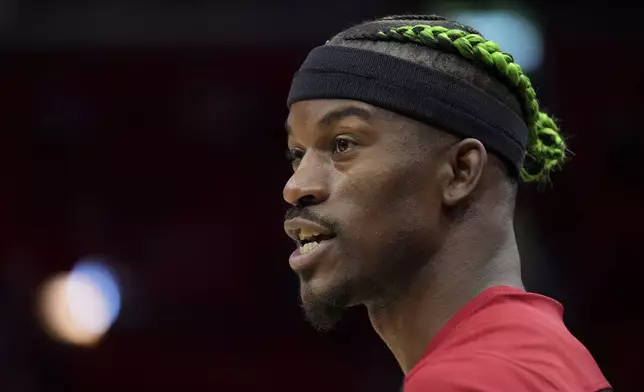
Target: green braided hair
546,150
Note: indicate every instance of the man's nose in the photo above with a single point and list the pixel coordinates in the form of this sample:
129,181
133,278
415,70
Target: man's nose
309,184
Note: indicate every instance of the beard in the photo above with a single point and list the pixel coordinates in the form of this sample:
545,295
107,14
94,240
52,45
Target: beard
396,264
324,310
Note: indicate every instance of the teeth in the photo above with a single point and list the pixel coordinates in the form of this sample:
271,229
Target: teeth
305,234
308,247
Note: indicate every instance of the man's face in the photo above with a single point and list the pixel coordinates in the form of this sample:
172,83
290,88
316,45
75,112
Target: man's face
364,195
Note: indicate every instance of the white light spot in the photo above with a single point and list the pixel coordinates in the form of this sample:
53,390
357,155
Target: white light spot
97,275
79,307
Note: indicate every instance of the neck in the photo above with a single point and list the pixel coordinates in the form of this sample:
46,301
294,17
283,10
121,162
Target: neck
453,277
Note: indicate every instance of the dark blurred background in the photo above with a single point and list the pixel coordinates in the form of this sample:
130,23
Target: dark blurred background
147,137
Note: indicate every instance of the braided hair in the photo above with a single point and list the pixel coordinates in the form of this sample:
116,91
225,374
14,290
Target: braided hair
463,52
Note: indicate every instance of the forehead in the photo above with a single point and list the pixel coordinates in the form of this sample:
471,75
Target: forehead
311,119
320,112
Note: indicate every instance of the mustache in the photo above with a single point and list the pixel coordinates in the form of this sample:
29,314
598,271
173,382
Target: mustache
299,212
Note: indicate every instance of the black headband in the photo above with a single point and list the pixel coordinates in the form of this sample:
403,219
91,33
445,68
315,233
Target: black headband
424,94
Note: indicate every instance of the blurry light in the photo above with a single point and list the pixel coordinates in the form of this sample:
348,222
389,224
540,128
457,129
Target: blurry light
79,307
96,274
514,31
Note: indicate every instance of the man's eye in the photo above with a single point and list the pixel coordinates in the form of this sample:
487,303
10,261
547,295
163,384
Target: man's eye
294,156
342,145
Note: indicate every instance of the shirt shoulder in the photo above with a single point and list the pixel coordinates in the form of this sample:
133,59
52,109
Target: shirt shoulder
486,372
475,373
511,341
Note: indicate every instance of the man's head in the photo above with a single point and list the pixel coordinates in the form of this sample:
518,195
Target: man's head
382,183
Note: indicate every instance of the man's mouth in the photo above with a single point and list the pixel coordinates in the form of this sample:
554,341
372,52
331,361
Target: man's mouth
309,236
308,240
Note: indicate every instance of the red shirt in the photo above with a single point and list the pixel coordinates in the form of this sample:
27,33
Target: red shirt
506,339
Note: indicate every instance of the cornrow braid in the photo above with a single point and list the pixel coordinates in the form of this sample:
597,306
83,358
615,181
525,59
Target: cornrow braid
431,18
546,150
414,17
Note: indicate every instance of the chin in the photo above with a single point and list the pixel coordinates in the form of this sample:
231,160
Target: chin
324,302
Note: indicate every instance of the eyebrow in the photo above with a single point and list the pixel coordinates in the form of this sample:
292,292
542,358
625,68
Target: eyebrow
337,115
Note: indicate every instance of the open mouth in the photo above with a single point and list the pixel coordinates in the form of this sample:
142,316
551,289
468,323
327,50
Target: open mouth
309,240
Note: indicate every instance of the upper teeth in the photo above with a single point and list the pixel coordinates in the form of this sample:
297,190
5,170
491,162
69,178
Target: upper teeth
305,234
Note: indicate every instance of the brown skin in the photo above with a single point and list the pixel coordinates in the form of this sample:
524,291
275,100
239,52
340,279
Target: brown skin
423,220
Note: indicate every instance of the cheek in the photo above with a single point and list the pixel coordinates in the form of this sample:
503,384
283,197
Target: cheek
377,204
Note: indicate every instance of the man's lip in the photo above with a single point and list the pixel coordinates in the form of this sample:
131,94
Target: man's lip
292,227
303,261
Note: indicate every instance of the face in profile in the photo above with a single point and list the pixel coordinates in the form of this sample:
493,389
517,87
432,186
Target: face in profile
365,206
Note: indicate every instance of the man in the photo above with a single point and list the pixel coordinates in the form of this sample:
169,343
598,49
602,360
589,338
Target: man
408,137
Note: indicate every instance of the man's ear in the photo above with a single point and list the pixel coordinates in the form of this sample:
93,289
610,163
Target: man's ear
461,170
